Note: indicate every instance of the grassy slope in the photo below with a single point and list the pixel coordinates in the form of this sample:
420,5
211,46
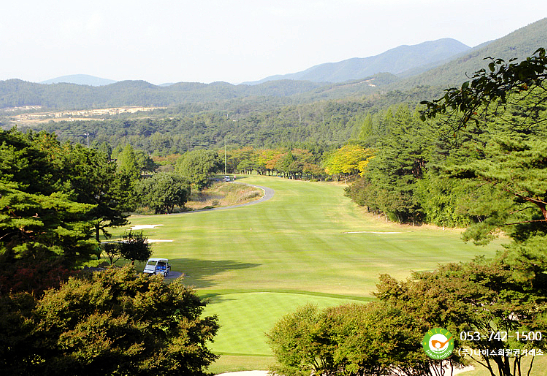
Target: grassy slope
259,262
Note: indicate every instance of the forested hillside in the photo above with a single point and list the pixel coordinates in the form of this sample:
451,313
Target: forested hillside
17,93
443,171
242,123
518,44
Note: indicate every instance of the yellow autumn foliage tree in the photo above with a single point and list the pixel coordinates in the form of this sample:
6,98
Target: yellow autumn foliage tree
350,159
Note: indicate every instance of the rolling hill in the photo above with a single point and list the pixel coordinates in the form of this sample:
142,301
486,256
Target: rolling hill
403,68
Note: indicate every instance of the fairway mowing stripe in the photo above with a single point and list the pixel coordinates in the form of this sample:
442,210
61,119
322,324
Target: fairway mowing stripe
297,241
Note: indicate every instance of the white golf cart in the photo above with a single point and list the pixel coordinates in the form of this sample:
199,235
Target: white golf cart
157,266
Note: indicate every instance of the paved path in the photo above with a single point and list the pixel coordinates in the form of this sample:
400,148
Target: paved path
173,275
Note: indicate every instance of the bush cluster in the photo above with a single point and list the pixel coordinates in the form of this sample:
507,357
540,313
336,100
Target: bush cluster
355,339
108,323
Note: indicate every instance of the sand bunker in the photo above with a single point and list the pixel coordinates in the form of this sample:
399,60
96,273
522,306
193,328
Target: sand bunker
142,227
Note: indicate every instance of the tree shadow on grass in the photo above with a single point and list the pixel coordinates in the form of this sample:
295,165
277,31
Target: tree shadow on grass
198,272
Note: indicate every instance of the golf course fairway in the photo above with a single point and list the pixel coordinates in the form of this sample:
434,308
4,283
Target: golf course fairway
307,244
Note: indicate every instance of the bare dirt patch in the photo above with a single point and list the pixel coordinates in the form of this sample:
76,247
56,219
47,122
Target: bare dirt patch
31,117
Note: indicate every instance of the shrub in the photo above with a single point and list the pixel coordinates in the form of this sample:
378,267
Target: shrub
355,339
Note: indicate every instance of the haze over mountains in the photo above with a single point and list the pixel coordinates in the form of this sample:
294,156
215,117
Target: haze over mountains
439,64
395,61
519,44
80,79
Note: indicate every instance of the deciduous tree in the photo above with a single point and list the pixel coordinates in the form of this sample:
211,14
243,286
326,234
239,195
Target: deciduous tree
357,339
163,191
198,166
351,159
111,323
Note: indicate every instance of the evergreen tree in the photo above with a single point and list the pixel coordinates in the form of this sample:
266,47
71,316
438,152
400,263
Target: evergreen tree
399,163
127,163
39,214
366,133
501,160
94,180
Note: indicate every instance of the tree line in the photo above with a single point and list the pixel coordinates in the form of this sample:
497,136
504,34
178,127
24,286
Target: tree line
436,171
16,93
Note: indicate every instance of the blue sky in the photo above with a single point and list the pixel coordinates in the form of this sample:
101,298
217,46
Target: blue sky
164,41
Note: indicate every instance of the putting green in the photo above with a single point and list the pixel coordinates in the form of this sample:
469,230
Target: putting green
309,238
255,314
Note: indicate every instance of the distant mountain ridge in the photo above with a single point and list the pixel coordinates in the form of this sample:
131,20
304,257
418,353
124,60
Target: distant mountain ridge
432,76
519,44
80,79
17,93
395,60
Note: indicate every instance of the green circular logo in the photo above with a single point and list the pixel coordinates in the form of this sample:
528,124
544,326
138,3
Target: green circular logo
438,343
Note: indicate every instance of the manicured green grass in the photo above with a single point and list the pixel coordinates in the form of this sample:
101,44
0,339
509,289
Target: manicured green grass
262,261
236,363
255,314
298,240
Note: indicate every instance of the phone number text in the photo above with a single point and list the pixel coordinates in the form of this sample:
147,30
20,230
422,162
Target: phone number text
501,336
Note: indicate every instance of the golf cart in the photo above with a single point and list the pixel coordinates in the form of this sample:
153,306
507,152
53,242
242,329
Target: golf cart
157,266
